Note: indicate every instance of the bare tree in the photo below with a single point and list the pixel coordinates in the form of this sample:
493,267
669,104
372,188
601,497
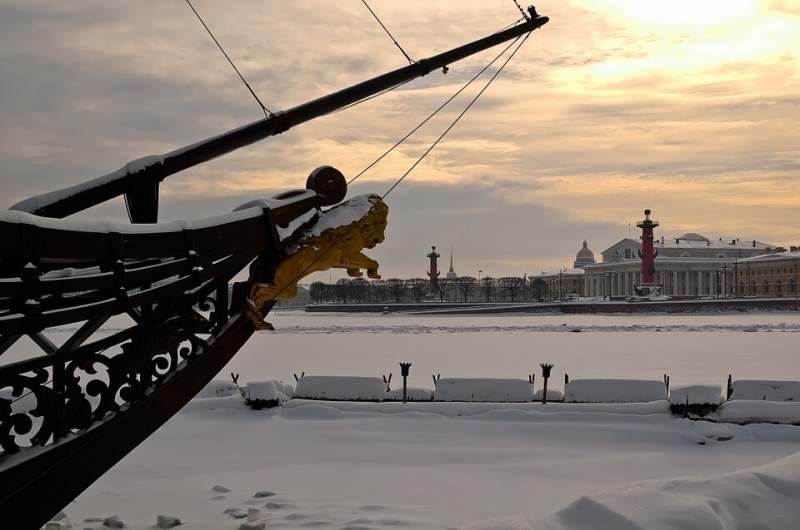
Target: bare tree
539,289
419,287
319,292
397,288
446,286
466,285
512,286
487,286
342,289
380,290
359,288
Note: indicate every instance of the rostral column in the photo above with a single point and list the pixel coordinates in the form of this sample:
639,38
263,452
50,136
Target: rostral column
647,253
434,273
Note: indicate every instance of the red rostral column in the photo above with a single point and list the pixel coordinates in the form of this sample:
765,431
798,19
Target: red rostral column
647,254
434,273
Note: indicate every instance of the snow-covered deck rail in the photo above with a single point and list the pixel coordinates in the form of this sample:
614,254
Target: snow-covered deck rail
483,390
765,390
614,391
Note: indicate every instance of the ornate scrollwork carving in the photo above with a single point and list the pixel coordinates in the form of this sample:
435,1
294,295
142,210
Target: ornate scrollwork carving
145,361
20,424
94,383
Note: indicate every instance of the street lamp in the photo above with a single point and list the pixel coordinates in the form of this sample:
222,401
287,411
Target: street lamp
525,286
725,282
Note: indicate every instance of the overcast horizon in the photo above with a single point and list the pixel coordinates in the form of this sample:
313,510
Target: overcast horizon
690,109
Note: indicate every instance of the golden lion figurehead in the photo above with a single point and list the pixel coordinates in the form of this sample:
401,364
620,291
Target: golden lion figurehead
334,241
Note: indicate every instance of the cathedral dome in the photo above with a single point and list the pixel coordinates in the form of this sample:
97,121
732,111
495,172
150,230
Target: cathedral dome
584,257
585,252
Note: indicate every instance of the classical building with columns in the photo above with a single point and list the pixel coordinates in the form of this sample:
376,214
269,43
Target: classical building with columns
688,266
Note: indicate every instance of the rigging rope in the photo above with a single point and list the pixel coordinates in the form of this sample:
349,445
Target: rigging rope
442,106
524,14
387,32
457,117
267,112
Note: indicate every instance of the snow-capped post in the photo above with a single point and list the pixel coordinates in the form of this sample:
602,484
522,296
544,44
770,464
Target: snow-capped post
666,382
404,367
546,374
566,380
730,388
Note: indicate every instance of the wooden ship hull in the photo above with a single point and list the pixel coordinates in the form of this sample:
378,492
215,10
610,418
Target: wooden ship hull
71,412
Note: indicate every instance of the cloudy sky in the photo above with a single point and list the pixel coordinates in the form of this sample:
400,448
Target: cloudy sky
690,108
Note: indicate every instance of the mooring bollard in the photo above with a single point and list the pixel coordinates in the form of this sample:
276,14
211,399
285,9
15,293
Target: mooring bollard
546,375
404,372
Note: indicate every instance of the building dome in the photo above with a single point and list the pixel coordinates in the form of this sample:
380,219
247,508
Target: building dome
691,236
585,252
584,257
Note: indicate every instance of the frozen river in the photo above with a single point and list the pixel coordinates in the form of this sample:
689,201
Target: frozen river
696,348
377,466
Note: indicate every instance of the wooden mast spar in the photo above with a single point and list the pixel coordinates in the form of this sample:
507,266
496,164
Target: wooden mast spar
71,413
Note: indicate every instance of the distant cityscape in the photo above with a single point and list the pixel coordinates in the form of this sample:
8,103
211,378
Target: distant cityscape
687,267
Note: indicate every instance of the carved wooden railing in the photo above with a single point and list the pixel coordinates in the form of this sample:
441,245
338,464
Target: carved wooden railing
81,405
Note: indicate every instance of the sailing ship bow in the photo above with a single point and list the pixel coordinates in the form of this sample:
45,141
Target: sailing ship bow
72,412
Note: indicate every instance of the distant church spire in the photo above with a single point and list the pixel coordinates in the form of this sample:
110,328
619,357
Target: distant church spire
451,274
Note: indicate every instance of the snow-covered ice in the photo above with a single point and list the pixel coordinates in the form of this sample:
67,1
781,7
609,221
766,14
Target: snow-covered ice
476,465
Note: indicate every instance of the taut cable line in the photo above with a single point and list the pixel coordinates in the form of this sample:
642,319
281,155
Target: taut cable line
457,117
442,106
267,112
410,61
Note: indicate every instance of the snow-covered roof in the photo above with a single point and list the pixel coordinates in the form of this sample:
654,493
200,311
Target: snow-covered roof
696,241
773,256
565,272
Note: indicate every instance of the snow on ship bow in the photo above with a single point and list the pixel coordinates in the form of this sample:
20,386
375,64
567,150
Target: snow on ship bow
72,411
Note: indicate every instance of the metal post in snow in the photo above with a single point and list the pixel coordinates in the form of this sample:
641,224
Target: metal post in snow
546,375
404,369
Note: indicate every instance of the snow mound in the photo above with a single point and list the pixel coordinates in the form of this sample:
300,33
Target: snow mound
747,411
696,395
484,390
235,402
614,391
766,390
553,394
217,388
412,394
335,387
261,394
767,498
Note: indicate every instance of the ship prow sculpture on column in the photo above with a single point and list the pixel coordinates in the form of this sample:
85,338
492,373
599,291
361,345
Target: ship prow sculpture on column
70,411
